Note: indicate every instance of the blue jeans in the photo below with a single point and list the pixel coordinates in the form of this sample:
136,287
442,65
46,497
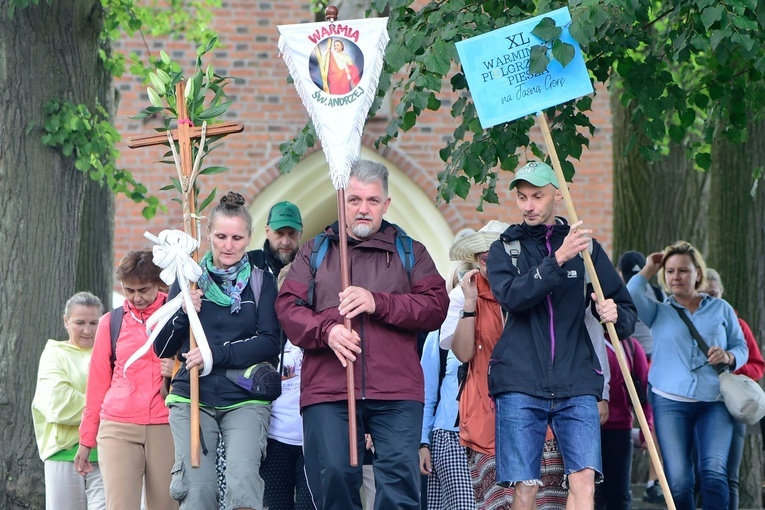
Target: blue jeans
734,461
521,425
707,424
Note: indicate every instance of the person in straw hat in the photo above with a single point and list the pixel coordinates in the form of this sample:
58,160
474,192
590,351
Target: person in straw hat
443,461
472,327
544,370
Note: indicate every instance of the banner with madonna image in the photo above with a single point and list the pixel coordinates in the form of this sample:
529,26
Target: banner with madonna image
336,67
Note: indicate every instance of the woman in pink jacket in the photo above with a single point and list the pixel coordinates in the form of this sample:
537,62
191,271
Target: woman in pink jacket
754,368
125,413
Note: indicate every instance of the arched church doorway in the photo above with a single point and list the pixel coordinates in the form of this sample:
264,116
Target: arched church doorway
308,186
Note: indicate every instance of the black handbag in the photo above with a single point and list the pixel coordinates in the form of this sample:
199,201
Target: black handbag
261,380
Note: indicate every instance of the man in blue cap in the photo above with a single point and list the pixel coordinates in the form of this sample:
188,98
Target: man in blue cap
544,369
284,230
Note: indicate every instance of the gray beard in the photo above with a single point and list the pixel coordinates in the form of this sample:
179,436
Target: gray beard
285,258
362,231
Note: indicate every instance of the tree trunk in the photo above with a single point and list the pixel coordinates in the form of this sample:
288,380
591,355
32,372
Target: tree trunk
736,236
46,50
737,225
750,472
95,262
654,204
95,267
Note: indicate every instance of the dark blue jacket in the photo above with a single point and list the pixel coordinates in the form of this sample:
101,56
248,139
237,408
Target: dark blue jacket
545,350
236,341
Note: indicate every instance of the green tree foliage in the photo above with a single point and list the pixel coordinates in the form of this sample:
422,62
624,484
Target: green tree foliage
686,67
86,134
175,18
90,139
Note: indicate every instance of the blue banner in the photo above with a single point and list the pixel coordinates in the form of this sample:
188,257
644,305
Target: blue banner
496,66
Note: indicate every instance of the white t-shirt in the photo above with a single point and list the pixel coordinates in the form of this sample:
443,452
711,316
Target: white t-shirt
456,302
286,421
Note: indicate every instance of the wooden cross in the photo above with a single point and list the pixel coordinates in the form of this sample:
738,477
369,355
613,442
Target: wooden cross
184,134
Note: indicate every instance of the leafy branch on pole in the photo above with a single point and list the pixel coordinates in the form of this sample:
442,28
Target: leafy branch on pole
693,71
206,101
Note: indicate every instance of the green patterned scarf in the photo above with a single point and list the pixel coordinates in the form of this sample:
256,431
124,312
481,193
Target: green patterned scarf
233,280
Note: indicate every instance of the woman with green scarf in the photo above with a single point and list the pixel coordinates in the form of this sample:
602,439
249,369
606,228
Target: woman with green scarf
241,330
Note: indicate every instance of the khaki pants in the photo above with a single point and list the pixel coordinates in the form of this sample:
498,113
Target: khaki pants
244,430
129,456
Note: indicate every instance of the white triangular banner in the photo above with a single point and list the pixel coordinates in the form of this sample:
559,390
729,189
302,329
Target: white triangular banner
336,67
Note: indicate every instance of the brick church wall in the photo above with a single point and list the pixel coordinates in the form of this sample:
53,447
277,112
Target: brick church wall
272,113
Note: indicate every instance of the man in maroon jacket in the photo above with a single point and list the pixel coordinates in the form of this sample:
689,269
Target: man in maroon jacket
388,305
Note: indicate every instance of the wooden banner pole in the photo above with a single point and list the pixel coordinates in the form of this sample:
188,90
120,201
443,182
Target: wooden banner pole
190,226
618,350
345,282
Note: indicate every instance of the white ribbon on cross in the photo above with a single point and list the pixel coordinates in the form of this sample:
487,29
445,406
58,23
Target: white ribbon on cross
172,252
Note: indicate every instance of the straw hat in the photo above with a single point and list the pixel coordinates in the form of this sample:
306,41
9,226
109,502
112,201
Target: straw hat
466,247
457,268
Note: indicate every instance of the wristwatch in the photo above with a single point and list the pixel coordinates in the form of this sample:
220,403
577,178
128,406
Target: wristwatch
464,314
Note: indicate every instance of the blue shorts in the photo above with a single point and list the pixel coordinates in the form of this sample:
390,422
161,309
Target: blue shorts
521,428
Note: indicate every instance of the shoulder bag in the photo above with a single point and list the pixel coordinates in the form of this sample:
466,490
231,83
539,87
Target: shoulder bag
743,397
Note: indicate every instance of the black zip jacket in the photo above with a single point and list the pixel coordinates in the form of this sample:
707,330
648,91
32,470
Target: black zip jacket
545,350
236,341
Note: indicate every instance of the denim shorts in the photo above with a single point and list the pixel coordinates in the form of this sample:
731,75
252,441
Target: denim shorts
522,422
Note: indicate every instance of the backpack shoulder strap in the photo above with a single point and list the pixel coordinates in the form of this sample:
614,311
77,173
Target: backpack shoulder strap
587,279
630,353
115,324
513,249
443,354
256,282
405,249
318,252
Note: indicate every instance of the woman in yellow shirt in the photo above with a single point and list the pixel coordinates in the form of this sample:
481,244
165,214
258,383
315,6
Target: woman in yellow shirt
57,409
